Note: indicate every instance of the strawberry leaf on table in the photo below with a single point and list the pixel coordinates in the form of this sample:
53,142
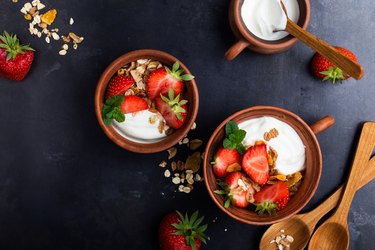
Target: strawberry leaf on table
234,137
111,109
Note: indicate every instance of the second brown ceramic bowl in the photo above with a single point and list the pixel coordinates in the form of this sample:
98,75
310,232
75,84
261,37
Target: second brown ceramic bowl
313,163
190,93
247,40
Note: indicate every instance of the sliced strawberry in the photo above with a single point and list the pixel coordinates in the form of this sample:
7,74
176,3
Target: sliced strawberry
118,85
255,164
161,80
224,158
133,104
172,109
236,190
272,198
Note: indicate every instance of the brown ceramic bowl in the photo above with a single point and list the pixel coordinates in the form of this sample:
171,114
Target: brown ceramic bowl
247,40
190,94
313,163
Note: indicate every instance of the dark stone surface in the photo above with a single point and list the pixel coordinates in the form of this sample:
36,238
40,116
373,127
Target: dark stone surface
65,185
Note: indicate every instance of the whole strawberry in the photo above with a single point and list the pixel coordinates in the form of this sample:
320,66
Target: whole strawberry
15,58
324,69
178,232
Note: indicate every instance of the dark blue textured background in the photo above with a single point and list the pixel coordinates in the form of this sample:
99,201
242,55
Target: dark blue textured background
65,185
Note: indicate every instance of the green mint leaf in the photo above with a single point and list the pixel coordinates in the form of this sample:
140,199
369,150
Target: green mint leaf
240,148
228,144
231,127
111,109
118,115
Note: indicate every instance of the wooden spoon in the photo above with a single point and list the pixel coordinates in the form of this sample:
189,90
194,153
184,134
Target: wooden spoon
301,226
333,233
346,64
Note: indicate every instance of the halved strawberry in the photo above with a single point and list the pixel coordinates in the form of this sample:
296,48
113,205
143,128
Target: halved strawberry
161,80
118,85
272,198
224,158
133,104
172,109
235,189
255,164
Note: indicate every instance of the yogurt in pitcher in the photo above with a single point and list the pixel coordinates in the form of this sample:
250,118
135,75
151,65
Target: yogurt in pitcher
263,17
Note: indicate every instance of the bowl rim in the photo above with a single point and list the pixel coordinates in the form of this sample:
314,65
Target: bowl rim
206,164
170,140
281,44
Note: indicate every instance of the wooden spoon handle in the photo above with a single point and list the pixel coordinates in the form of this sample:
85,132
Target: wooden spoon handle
330,203
349,66
364,149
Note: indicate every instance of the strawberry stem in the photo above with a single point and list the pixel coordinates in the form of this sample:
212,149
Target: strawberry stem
11,44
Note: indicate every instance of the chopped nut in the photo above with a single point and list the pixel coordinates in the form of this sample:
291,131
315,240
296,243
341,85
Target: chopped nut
42,25
65,46
76,38
167,173
40,6
163,164
23,10
290,238
198,178
174,166
172,152
66,38
194,144
71,21
47,39
27,6
181,188
193,162
180,165
235,167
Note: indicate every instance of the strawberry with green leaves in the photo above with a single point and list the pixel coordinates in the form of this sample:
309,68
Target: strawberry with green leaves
272,198
117,106
324,69
235,194
161,80
179,232
15,58
172,108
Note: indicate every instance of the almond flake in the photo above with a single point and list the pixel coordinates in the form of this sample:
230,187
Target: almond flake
194,144
163,164
172,152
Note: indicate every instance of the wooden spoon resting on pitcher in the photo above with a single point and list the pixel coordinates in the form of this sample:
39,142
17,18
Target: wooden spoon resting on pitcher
346,64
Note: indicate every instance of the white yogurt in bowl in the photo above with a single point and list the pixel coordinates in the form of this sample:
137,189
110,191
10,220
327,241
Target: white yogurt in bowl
288,145
263,17
138,128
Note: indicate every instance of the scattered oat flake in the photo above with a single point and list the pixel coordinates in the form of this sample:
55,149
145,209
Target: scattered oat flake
62,52
194,126
176,180
167,173
71,21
